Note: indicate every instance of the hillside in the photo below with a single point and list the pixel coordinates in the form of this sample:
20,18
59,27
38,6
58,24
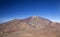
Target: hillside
33,26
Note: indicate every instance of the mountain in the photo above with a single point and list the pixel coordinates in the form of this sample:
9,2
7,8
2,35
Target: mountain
33,26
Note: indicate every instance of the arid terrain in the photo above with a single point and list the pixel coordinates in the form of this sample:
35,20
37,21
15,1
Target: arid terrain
33,26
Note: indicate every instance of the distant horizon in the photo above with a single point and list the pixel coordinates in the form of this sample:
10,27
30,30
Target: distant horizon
27,17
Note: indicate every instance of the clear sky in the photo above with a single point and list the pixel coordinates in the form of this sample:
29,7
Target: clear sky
11,9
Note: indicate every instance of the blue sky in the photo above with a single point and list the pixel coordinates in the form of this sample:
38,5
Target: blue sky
11,9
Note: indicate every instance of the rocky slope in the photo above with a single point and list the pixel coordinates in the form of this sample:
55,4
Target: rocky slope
30,27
